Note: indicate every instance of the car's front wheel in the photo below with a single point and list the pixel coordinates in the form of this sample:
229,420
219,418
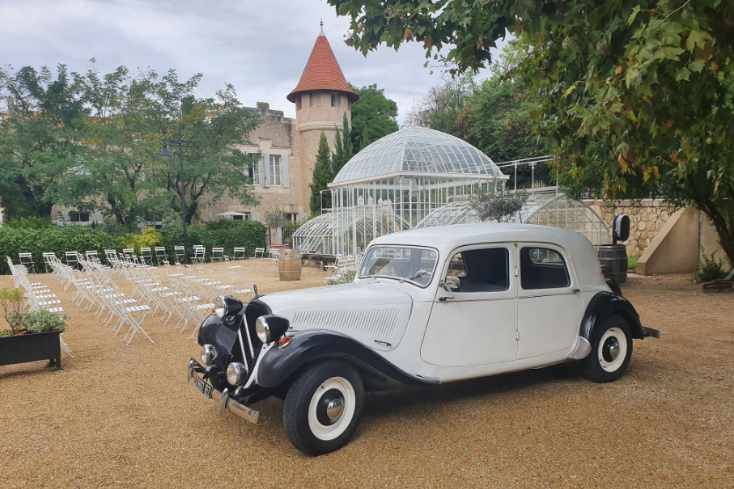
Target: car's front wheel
322,407
611,351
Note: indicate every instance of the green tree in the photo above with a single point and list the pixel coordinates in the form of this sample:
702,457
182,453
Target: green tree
499,115
120,147
39,136
373,116
199,139
343,149
323,174
444,108
637,97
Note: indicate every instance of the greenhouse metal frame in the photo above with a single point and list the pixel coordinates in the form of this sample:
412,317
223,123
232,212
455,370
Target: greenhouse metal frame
418,177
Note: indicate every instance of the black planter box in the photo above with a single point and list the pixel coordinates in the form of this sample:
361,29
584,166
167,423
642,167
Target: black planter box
31,348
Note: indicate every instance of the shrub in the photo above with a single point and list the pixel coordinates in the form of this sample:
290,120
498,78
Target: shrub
42,321
149,237
38,240
13,306
710,269
631,262
29,222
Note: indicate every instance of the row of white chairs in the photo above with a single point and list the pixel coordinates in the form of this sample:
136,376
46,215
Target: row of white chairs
95,290
176,294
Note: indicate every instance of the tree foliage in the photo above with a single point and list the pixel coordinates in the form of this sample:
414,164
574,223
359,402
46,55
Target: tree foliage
637,97
496,115
134,147
323,174
373,116
343,147
39,133
445,106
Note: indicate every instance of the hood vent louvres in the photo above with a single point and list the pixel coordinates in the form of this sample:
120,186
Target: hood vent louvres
370,326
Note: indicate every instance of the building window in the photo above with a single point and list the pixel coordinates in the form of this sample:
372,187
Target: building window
274,170
298,102
291,217
79,216
310,99
241,217
335,100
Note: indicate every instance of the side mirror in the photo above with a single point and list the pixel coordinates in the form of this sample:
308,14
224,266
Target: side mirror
620,228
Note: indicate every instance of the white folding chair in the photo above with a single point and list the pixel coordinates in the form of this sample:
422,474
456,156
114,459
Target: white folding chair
218,254
198,254
26,259
161,255
238,253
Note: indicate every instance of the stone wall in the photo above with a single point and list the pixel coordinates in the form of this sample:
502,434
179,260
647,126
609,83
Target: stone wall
647,216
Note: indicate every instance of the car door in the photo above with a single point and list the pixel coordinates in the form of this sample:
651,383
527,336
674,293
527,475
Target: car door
549,304
473,323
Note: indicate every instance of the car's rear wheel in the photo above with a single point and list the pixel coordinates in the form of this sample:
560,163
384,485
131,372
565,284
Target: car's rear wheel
611,352
322,407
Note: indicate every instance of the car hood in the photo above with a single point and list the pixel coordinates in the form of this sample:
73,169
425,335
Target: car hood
372,312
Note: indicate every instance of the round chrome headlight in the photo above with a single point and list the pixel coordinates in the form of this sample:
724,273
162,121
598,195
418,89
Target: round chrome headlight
262,329
208,355
236,373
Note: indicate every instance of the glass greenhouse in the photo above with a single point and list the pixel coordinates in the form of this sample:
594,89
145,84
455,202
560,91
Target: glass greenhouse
418,177
545,208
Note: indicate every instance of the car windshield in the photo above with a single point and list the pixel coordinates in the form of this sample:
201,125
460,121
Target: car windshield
406,263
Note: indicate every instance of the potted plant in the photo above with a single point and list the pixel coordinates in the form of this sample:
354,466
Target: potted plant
32,335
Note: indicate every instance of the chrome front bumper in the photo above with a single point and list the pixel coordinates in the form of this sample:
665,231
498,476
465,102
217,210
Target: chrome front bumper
226,403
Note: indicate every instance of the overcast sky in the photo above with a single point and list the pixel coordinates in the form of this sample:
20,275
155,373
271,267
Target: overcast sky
260,46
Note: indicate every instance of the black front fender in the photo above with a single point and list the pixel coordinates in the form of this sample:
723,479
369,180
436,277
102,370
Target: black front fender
279,365
605,304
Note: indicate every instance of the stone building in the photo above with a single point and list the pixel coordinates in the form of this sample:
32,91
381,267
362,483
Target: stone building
287,147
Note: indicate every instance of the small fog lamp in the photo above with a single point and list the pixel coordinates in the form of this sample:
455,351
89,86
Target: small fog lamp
208,355
236,373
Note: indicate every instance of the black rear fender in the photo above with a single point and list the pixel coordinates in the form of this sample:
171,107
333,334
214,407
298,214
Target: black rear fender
606,304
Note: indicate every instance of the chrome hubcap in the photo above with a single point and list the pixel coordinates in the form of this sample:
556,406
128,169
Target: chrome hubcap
331,407
611,349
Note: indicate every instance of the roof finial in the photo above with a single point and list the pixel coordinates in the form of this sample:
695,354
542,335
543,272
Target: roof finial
321,23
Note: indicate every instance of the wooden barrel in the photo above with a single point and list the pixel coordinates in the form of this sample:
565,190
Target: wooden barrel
613,260
289,265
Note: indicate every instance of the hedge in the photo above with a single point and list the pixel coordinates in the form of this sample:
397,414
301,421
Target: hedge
228,234
41,239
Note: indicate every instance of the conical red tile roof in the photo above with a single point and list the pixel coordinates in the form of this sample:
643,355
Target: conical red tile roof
322,72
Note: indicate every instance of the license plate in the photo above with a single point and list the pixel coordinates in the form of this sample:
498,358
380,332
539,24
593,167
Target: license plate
204,387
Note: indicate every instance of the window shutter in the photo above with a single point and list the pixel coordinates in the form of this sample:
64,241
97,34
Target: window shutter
284,170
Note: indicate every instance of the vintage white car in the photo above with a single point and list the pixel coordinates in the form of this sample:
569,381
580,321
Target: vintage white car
427,306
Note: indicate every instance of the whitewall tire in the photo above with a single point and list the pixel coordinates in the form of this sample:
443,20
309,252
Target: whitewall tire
611,352
322,407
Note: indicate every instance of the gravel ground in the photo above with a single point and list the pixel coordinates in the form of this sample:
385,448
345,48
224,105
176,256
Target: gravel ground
124,416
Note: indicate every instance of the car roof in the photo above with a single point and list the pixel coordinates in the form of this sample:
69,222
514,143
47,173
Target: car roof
455,235
447,238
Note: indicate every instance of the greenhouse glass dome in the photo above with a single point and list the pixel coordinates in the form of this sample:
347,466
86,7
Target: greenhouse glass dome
419,177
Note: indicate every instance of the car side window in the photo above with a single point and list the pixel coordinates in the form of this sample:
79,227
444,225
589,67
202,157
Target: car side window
542,268
482,270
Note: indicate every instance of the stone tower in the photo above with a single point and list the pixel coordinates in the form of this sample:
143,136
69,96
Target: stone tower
322,97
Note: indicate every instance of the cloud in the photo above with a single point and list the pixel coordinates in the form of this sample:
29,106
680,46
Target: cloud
260,46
